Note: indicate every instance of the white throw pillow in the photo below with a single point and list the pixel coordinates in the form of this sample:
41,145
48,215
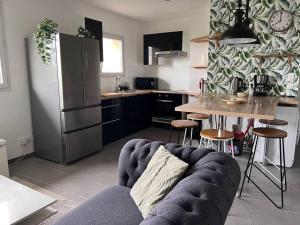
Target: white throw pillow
160,176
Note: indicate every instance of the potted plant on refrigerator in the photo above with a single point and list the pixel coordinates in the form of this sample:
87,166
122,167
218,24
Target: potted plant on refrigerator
45,38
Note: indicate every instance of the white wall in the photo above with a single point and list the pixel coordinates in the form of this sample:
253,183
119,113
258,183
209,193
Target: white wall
21,18
176,73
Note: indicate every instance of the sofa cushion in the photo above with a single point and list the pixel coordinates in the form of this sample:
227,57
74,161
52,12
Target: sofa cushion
162,173
114,206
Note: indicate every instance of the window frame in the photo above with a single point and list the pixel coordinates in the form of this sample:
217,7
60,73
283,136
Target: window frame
116,37
3,50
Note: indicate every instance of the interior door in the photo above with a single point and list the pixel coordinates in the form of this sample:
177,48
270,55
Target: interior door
70,72
91,71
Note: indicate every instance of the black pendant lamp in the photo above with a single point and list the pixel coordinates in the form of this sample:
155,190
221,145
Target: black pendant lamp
240,33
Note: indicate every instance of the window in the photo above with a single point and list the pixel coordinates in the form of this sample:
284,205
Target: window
113,55
3,77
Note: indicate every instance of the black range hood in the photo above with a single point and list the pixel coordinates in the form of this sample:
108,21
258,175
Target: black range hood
162,45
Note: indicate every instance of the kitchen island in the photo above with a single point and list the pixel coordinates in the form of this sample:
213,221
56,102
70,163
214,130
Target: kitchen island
257,108
254,107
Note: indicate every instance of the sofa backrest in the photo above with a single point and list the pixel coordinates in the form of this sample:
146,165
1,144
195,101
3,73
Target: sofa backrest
137,153
203,196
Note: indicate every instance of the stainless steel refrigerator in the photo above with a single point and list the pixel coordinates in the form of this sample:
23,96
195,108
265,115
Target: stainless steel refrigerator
65,99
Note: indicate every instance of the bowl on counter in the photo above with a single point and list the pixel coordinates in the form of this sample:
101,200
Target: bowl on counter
242,94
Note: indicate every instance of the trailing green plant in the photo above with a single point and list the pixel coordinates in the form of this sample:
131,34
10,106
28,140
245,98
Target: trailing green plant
44,39
82,32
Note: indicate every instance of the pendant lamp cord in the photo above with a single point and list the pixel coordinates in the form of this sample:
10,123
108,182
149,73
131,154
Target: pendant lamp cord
240,4
247,8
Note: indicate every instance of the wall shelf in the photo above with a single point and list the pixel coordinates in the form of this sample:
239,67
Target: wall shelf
262,57
200,66
206,39
201,39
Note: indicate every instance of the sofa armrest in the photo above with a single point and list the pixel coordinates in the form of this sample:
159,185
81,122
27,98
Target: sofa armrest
203,197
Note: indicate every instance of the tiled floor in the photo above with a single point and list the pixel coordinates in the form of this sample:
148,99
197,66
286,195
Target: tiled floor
87,177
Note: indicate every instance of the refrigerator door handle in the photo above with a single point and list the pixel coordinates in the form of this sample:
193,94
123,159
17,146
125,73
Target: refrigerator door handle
86,61
83,96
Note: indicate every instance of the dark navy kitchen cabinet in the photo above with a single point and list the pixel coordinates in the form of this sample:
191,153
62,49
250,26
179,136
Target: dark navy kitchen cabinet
124,116
111,117
136,113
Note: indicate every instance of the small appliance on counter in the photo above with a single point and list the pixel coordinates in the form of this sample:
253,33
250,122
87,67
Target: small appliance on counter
203,86
236,85
123,87
262,85
145,83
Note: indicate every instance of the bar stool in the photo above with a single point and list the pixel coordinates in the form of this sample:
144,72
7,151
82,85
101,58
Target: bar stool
268,133
217,135
199,117
270,123
275,122
183,124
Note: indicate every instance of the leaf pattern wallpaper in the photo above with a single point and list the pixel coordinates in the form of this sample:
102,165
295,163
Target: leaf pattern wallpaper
226,62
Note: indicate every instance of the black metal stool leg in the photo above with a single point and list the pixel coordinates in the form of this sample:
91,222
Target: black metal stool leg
191,137
248,165
178,138
252,160
171,131
281,175
284,167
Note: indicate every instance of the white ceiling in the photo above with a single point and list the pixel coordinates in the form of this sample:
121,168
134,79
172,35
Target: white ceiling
150,10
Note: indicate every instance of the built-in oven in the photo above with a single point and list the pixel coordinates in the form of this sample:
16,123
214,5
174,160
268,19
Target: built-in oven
164,107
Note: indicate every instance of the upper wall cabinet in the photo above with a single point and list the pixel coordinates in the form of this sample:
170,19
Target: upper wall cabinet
170,41
95,27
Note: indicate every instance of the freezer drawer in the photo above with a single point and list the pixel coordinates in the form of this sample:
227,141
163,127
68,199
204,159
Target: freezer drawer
82,143
77,119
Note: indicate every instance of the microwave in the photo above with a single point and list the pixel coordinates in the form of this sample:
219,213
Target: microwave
146,83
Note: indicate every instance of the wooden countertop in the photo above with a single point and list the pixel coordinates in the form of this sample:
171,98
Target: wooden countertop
285,101
112,95
255,107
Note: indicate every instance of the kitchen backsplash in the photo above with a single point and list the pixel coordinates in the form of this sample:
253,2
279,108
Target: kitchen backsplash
226,62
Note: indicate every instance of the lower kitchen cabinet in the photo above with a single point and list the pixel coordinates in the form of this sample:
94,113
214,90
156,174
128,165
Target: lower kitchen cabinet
111,120
124,116
136,113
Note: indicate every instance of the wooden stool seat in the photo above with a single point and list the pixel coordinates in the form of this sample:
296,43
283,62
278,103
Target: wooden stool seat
214,134
197,116
269,132
275,122
184,124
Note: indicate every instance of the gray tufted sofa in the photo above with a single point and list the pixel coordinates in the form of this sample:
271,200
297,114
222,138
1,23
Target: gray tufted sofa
203,197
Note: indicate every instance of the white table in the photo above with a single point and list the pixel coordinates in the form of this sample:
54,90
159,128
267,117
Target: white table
3,159
18,202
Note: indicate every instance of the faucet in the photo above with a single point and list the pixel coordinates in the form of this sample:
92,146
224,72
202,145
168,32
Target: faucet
117,83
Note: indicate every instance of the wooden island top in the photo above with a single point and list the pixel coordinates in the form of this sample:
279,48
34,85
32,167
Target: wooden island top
212,104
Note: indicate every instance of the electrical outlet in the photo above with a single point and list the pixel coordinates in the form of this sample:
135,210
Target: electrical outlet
24,140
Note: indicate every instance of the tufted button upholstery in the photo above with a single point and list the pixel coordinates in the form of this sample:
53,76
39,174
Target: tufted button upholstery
203,196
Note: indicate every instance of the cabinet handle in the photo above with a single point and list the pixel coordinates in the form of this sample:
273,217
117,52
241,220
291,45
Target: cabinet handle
165,101
110,106
112,121
83,96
